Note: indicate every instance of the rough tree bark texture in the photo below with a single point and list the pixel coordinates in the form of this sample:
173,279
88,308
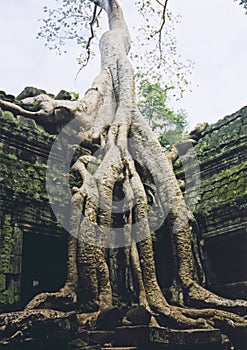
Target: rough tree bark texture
132,158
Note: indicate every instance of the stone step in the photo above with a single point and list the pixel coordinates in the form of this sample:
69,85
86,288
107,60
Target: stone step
146,336
133,337
119,348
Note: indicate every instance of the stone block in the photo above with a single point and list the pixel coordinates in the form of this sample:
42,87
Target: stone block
120,348
2,282
18,240
138,315
101,337
8,115
109,318
15,264
14,283
77,344
147,336
28,122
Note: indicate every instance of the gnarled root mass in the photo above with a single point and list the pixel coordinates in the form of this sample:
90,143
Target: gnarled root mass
132,180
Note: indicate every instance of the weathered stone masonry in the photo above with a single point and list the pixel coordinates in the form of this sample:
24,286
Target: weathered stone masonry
221,210
33,245
27,222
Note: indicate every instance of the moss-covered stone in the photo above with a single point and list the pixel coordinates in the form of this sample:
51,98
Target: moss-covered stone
9,116
8,298
2,282
221,194
24,204
7,244
223,187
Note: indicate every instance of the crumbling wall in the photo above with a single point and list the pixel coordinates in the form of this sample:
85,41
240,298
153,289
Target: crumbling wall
24,206
221,207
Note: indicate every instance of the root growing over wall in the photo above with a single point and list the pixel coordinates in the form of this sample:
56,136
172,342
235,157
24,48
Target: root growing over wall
130,156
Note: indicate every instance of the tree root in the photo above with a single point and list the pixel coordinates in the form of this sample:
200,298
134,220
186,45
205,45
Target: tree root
18,325
130,157
63,300
199,297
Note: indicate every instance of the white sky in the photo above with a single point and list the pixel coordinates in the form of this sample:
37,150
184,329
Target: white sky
212,34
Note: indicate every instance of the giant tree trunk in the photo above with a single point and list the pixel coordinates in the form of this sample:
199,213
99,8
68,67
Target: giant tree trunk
129,159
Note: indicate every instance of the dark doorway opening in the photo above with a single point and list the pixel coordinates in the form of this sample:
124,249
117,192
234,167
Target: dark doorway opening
44,261
227,257
164,258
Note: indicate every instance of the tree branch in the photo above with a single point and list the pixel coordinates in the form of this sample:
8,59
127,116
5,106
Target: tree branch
162,25
88,46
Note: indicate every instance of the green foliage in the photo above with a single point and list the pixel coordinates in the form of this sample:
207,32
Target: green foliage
68,20
155,50
36,105
168,125
74,96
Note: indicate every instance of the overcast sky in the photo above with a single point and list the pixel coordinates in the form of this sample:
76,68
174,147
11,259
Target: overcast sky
212,34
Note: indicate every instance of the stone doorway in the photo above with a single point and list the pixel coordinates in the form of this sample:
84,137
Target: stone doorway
228,257
227,264
43,264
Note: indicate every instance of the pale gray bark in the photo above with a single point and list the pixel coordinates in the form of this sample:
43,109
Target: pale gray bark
110,118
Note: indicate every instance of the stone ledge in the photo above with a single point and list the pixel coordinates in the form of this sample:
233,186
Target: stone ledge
142,336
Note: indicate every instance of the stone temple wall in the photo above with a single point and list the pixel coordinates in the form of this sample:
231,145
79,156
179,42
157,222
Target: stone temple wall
33,244
218,192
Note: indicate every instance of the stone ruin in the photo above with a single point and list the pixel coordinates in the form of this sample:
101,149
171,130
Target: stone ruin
33,245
